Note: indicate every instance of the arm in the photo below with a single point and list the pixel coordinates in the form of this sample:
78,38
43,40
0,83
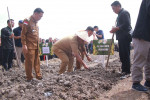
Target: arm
23,38
100,35
15,35
74,47
80,60
125,21
85,53
4,34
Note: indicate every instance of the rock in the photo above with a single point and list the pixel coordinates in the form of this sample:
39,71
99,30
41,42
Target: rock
67,84
12,94
47,94
40,84
61,81
1,83
21,91
63,96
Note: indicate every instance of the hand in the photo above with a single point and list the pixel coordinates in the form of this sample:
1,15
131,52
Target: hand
85,66
17,37
114,29
12,36
25,49
89,58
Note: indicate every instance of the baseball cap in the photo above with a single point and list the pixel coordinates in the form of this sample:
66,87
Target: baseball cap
21,21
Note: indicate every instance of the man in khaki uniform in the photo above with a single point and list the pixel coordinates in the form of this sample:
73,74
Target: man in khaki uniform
68,48
30,42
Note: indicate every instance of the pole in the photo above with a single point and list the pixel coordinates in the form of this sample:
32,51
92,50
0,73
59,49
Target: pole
109,51
13,39
47,60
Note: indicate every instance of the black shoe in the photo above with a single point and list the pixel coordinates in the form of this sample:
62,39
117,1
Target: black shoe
147,84
139,87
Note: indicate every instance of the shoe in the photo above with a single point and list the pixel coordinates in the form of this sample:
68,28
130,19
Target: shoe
139,87
147,84
39,78
29,80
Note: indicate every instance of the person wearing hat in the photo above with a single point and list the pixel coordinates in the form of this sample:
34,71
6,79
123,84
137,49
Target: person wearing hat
30,44
18,44
68,48
82,48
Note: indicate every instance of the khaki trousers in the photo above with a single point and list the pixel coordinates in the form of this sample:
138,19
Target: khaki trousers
141,60
32,60
19,51
66,60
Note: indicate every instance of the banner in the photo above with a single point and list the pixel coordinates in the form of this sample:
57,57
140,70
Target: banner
101,47
45,49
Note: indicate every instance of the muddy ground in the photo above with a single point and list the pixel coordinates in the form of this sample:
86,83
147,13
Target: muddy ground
79,85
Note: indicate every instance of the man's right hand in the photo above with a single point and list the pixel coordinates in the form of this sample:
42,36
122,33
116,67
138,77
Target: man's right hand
12,36
25,49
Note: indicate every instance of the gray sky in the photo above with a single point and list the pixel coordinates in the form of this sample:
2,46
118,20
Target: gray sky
65,17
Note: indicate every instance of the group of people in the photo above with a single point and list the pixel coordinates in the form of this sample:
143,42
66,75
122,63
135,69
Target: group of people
27,39
50,42
141,43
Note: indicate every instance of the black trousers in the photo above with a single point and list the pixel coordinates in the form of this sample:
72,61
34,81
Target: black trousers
0,55
7,58
124,53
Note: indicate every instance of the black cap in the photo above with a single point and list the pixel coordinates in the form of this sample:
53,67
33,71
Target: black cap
89,28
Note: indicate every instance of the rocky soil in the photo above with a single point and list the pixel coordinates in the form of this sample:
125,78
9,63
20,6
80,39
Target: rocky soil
78,85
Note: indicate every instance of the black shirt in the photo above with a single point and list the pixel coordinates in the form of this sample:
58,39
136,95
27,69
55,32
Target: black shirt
17,32
142,28
124,24
7,43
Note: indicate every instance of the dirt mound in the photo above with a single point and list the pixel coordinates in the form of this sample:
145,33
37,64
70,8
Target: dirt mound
78,85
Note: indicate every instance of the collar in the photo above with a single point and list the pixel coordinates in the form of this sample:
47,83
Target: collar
8,27
33,19
120,11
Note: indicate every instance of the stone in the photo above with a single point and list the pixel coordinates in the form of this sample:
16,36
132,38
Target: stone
12,94
67,84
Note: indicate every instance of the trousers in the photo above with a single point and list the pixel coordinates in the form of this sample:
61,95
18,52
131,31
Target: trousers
7,58
124,53
141,60
32,60
66,60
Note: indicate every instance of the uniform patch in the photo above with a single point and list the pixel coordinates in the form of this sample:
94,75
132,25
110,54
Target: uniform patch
25,22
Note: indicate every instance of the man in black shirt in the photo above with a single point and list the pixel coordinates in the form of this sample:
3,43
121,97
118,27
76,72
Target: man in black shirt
123,30
7,44
18,44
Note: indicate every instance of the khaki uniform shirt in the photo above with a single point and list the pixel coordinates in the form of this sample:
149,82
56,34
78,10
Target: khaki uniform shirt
69,45
30,33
